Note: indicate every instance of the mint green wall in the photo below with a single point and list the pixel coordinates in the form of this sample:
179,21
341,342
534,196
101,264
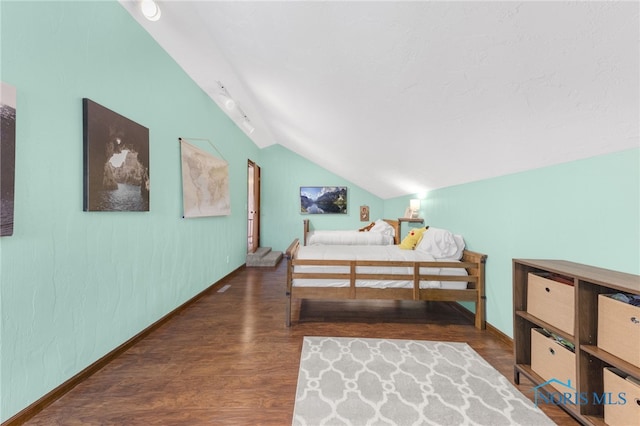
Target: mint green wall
75,285
586,211
283,173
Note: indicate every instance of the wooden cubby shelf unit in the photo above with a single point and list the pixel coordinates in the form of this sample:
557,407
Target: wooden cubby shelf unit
584,284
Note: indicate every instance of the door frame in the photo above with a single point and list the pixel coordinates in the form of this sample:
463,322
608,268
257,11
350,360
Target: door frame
253,206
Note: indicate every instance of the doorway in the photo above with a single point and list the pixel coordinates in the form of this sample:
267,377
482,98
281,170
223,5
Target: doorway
253,207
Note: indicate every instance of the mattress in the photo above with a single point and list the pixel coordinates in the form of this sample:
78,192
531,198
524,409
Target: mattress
348,237
385,253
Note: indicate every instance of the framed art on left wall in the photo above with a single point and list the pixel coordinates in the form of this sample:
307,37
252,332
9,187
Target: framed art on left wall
7,157
116,161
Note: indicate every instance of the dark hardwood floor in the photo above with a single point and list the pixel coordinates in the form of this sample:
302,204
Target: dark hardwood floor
228,359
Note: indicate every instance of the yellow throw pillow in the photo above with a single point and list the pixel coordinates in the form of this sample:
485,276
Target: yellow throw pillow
412,239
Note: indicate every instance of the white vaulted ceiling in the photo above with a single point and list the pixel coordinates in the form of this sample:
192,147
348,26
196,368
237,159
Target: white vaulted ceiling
403,97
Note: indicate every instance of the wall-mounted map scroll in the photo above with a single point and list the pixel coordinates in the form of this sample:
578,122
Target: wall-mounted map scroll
205,183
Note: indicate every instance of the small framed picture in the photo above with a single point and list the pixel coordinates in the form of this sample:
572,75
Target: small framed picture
364,213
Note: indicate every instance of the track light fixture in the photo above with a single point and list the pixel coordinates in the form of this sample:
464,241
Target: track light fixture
232,106
248,127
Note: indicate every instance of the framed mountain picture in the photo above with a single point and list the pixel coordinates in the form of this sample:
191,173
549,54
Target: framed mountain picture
323,199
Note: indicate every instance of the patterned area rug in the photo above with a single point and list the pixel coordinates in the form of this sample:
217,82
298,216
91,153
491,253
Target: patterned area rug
354,381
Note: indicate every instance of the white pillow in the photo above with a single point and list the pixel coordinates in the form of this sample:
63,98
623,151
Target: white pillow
383,227
461,245
441,244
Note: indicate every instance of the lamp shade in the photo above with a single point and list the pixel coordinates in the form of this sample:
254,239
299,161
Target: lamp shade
414,204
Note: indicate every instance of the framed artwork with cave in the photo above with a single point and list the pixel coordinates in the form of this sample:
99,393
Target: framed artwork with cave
116,161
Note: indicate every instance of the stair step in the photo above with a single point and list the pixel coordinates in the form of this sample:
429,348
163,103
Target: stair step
260,252
264,257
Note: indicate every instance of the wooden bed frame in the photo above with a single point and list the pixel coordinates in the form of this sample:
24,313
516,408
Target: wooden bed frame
473,262
393,222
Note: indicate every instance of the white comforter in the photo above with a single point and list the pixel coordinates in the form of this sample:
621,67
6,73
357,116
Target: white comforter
388,252
348,237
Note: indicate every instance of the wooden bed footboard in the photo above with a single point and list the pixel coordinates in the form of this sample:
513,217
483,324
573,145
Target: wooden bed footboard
473,262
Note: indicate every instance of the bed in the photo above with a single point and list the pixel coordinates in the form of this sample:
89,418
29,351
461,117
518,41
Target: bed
384,272
380,232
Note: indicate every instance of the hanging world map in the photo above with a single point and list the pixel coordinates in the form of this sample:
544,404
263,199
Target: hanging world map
205,183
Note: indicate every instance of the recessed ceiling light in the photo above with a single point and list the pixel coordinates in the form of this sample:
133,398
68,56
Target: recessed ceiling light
150,10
